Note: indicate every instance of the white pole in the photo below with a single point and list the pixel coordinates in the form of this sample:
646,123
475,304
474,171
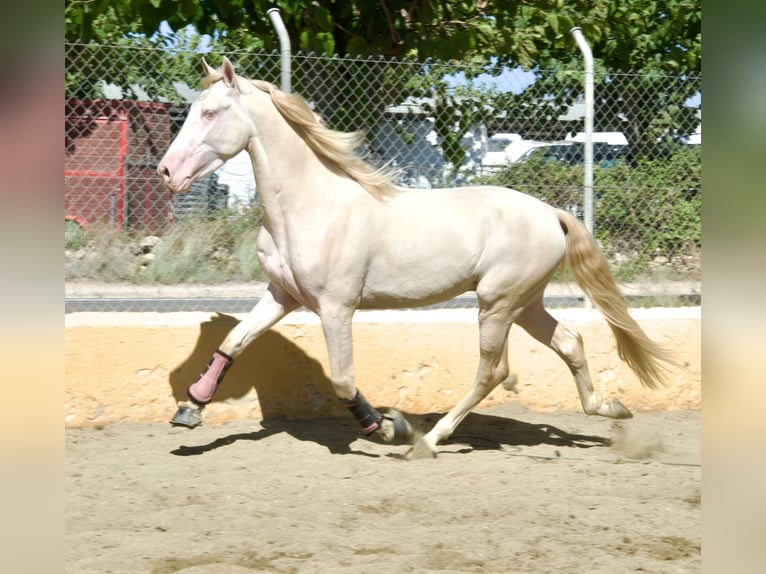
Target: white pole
588,178
284,46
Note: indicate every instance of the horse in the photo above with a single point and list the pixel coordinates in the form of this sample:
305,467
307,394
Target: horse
338,235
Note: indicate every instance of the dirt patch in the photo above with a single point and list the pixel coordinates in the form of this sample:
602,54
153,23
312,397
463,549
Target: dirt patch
513,490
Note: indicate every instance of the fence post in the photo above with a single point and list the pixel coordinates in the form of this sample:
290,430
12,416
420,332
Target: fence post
588,178
284,47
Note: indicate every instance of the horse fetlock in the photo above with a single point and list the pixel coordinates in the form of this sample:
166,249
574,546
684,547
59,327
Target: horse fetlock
368,418
592,404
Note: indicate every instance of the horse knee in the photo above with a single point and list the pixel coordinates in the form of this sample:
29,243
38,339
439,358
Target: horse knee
236,341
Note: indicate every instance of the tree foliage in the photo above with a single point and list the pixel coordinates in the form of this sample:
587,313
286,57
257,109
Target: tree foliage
640,212
627,35
636,44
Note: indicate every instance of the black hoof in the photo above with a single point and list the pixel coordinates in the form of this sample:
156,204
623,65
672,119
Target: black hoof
188,415
403,431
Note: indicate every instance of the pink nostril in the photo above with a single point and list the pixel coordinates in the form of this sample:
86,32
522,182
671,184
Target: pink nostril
164,172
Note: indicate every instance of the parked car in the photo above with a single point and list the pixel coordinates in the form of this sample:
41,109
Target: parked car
205,197
506,148
573,153
614,138
496,145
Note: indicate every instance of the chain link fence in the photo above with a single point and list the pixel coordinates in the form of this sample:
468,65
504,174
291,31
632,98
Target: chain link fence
440,124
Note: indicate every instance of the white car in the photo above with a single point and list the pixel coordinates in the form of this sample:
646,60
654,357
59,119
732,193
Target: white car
611,138
506,148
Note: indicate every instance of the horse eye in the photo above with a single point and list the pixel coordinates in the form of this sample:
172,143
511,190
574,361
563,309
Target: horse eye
208,114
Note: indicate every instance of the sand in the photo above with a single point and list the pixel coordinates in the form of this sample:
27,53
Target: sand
512,491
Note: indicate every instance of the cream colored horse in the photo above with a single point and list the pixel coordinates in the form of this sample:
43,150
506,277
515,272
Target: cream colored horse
338,236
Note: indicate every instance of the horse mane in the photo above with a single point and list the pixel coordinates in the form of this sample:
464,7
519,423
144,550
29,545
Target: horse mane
335,149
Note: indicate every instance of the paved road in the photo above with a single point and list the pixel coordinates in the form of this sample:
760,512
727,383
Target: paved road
216,304
164,304
222,305
241,297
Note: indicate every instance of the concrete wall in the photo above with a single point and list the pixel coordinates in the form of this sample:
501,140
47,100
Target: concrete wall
135,366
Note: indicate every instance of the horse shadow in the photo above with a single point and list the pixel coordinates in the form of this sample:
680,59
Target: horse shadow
333,434
291,388
287,382
297,398
481,431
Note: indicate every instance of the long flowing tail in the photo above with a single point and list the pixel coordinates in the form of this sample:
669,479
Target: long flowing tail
591,271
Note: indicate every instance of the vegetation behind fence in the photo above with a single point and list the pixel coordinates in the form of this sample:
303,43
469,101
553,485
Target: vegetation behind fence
433,121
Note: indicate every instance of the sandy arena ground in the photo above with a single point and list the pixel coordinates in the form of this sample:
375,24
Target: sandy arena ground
512,491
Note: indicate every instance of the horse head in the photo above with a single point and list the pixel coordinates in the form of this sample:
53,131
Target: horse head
216,129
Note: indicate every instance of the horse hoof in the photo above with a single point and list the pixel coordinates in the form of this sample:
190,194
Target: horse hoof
188,415
617,410
399,431
420,450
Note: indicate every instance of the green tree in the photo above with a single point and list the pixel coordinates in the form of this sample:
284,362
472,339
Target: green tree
637,44
650,54
626,35
395,28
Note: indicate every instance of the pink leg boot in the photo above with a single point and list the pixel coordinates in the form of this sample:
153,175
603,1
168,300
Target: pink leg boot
201,392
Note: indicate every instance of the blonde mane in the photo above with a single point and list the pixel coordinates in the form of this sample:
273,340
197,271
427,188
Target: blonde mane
336,150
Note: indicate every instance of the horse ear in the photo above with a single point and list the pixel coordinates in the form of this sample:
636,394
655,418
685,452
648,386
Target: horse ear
229,76
206,68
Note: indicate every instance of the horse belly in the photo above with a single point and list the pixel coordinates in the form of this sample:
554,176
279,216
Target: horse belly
408,294
412,275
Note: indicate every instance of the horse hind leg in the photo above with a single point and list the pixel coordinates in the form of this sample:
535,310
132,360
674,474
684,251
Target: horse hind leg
568,344
493,370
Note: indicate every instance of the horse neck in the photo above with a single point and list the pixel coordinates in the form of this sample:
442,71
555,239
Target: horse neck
284,166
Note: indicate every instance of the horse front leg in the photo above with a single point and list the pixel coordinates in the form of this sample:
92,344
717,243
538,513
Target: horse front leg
337,327
274,305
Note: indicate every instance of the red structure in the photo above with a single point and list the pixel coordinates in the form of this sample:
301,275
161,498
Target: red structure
112,149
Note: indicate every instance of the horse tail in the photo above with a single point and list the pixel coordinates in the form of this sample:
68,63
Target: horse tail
591,272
